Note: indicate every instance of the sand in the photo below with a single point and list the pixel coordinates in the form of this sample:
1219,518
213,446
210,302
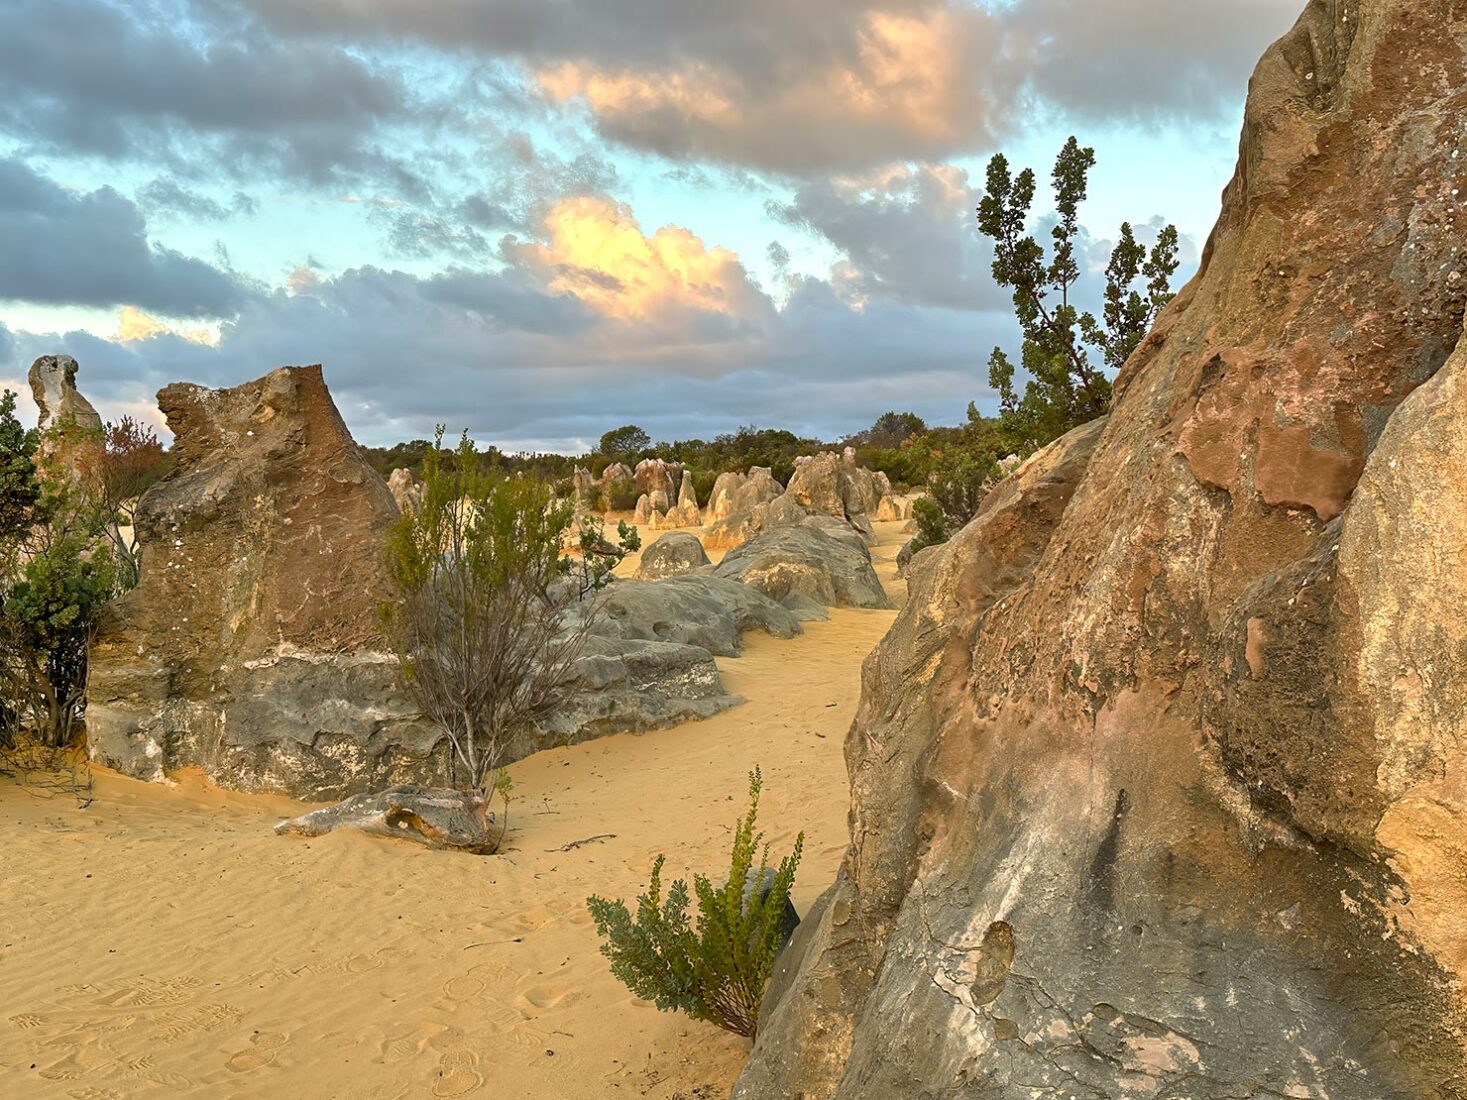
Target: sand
163,942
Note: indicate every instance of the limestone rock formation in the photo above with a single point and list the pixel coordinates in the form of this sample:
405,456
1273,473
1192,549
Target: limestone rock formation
654,476
674,553
706,611
1158,780
804,564
249,645
71,427
585,491
739,509
406,490
618,487
721,499
823,485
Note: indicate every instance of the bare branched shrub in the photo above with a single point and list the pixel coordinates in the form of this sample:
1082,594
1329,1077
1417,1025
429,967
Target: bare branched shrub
485,646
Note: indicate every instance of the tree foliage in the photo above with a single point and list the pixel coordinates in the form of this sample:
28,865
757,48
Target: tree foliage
715,969
56,576
126,461
625,442
599,556
485,647
1066,387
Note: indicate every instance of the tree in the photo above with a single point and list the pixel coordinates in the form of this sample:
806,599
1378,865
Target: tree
127,462
56,576
625,442
892,429
485,647
961,471
599,555
717,971
1066,388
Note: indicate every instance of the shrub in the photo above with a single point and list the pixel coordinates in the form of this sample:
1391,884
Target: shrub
717,969
484,648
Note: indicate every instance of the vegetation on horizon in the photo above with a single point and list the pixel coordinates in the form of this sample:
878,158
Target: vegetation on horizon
715,969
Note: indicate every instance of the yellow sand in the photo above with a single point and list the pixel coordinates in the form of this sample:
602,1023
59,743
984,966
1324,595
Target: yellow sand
165,943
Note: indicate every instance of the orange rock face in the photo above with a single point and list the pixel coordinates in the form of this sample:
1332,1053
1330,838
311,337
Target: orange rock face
1157,781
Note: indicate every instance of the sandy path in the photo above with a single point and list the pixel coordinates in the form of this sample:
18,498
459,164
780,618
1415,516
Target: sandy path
164,942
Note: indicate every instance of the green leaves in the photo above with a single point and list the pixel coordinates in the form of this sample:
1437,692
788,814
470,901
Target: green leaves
1065,388
717,970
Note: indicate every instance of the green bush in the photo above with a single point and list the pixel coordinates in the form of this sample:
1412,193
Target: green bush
714,970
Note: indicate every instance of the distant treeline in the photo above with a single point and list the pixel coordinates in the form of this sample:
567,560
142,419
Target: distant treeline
900,444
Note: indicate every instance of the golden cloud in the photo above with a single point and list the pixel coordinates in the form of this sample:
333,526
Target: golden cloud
596,250
134,324
912,79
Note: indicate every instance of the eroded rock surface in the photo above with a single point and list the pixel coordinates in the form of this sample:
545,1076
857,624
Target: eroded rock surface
805,564
671,555
1158,778
250,646
706,611
71,427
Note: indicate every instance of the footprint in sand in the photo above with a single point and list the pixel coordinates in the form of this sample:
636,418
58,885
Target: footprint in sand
27,1020
360,964
457,1074
264,1045
463,988
546,998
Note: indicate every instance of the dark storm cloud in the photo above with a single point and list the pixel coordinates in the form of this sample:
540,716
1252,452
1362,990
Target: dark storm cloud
193,87
65,247
7,348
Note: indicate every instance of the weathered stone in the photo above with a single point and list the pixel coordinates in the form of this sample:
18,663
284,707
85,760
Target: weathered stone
71,427
432,816
406,490
893,509
745,508
618,486
721,499
672,554
643,515
1158,778
808,562
250,645
705,611
653,476
585,491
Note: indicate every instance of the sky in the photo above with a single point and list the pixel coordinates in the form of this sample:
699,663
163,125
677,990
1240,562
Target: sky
540,219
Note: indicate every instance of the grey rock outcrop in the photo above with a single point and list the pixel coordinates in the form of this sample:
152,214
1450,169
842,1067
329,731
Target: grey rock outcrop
806,563
671,555
706,611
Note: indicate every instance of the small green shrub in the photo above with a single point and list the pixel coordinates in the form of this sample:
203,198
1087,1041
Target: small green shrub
714,970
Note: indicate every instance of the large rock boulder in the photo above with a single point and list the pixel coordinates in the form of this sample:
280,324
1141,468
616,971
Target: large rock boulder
806,564
249,646
674,553
71,428
1158,780
705,611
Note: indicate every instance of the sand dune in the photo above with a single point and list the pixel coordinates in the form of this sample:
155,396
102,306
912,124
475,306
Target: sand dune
164,942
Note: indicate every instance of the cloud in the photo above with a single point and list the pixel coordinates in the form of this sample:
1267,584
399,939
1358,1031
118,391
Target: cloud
596,251
65,247
807,89
1140,59
169,198
906,232
592,324
197,86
